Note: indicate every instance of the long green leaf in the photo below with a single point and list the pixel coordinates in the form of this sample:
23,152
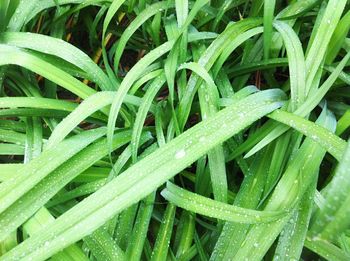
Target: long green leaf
153,170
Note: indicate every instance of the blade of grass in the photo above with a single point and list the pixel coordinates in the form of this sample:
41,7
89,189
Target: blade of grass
102,205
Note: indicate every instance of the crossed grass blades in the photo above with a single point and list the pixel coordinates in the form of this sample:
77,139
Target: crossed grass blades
174,130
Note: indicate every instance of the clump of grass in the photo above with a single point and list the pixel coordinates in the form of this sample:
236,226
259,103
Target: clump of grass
174,130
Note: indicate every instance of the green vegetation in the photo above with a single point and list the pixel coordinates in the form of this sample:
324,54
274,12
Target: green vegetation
174,130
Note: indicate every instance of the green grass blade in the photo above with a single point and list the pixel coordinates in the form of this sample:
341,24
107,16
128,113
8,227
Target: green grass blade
208,207
296,64
170,159
317,50
24,208
269,8
30,175
140,19
326,139
326,250
303,110
327,219
61,49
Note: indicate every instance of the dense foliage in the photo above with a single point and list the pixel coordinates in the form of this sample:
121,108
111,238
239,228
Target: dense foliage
174,130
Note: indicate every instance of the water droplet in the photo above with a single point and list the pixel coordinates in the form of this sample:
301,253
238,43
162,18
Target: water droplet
180,154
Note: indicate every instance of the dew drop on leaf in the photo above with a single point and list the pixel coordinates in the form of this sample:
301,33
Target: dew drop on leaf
180,154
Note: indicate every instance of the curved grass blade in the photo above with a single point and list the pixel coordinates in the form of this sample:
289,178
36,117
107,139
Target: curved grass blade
326,139
211,208
85,109
19,18
112,10
235,43
270,132
131,77
14,55
153,170
297,9
61,49
139,20
296,64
